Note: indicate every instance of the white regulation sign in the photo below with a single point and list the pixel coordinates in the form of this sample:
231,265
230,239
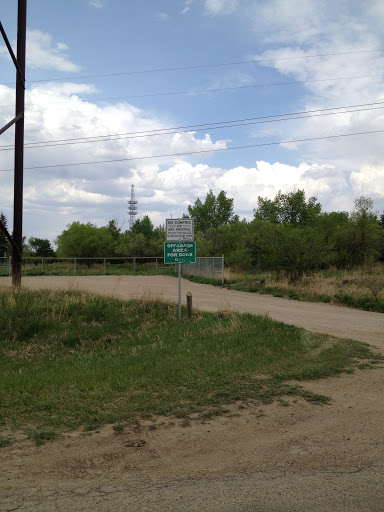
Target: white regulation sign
179,229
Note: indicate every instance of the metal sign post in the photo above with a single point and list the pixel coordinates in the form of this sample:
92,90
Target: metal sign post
179,247
179,292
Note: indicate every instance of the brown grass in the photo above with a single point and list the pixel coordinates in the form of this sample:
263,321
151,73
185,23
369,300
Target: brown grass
356,282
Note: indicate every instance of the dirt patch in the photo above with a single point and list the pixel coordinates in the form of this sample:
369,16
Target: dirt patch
288,456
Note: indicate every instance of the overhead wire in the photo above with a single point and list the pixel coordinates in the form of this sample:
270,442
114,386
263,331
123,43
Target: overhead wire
202,127
202,66
202,91
189,153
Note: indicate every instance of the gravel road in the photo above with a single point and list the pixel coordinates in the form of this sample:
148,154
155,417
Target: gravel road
317,317
300,458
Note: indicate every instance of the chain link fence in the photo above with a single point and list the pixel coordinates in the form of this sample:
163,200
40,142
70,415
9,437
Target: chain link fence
212,268
5,269
205,267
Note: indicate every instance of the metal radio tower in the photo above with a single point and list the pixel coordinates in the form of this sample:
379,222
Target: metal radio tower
132,208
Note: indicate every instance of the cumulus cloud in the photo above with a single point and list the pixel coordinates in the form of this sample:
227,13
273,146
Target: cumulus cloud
56,112
369,181
336,171
328,49
43,53
55,196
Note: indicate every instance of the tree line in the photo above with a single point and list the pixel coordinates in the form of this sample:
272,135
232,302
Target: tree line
289,233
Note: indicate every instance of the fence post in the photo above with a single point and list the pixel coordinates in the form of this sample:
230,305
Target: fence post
75,267
134,266
222,269
189,304
105,266
156,267
42,265
9,265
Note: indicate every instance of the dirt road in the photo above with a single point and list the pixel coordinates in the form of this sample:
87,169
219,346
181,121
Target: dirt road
317,317
301,457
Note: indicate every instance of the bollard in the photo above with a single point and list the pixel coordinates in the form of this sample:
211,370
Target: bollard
189,304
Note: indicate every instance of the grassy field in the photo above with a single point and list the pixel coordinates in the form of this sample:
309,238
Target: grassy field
358,288
72,360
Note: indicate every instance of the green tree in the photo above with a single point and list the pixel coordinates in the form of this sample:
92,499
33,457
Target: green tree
262,241
231,241
143,227
293,250
114,229
299,251
4,243
130,245
291,208
368,234
85,241
213,212
41,247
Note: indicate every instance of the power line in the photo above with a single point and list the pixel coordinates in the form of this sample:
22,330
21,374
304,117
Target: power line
202,66
218,89
201,91
186,153
200,127
196,130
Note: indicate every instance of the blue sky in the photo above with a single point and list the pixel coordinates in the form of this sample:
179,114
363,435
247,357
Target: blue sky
111,67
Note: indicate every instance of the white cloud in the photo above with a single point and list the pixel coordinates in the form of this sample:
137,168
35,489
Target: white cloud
187,6
96,3
42,53
163,16
55,196
336,171
369,181
215,7
300,28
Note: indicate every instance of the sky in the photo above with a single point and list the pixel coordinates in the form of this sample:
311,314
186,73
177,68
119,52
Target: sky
179,97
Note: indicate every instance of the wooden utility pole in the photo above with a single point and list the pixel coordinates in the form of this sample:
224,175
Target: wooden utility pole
19,144
19,61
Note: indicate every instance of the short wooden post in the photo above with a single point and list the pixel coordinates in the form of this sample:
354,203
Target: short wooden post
189,304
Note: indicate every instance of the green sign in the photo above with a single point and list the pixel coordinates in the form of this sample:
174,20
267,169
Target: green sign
179,252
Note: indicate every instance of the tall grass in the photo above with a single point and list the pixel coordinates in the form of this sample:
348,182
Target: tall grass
71,359
359,288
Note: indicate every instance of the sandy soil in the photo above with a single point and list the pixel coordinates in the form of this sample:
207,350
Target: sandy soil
300,457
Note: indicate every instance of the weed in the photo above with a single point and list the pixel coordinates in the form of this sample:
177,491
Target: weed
118,428
41,437
5,441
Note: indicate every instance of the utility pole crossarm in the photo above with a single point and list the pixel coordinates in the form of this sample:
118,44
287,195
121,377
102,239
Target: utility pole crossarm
6,233
17,65
8,125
